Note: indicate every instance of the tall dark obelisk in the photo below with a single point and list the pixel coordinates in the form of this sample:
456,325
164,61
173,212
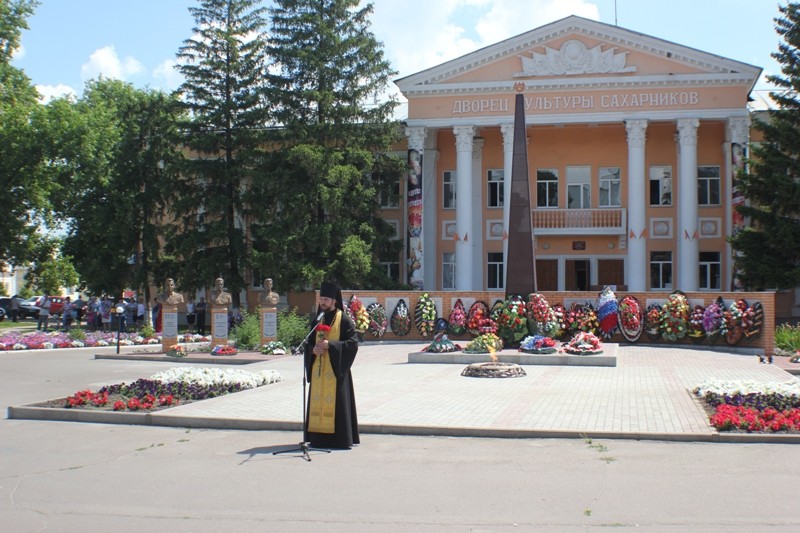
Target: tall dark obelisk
521,263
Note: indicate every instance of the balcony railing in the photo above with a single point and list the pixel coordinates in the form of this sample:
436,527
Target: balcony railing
580,221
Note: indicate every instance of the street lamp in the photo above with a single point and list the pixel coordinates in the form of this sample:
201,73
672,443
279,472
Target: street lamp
120,313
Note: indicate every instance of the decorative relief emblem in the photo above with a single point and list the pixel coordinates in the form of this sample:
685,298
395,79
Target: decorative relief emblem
574,58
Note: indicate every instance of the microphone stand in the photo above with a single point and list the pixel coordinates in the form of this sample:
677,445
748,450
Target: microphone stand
304,446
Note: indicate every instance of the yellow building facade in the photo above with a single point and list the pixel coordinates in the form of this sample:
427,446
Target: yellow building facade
632,148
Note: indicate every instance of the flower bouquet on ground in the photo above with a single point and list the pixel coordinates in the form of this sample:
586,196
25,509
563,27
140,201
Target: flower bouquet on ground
572,318
497,308
607,309
652,322
674,316
694,328
359,314
401,321
442,344
485,343
732,320
512,324
630,318
425,315
712,319
224,349
177,351
377,320
752,320
588,321
537,344
457,323
478,321
273,348
542,319
584,343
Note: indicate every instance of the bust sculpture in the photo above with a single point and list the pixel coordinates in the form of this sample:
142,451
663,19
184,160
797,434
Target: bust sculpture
268,298
169,296
219,296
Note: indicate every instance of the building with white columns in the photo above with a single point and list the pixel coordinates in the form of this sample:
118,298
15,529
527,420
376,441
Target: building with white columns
632,144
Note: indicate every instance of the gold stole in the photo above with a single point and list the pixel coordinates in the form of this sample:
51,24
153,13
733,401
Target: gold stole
322,399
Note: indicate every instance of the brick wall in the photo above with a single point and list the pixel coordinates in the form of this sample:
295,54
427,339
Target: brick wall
446,299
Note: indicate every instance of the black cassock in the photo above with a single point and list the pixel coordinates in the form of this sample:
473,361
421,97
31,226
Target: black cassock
342,353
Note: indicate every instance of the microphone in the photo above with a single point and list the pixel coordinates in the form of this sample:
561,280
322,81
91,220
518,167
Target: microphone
320,315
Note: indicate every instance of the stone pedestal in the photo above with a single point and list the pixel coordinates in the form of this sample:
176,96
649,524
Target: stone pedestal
169,325
269,324
219,325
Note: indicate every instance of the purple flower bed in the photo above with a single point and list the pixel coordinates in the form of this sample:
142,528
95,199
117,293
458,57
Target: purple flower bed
39,340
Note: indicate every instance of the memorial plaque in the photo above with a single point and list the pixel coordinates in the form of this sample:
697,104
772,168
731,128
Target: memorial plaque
169,327
269,325
219,328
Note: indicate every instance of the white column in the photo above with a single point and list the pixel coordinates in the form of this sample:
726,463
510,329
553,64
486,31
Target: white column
464,259
478,226
430,202
688,237
508,156
738,133
637,269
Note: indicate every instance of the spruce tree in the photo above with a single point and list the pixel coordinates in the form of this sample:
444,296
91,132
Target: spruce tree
321,183
224,64
768,251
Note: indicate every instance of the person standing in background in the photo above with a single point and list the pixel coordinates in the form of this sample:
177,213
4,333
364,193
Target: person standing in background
44,313
14,308
140,310
190,315
200,315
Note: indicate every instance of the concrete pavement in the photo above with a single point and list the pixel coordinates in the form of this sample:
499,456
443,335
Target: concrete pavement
65,477
646,396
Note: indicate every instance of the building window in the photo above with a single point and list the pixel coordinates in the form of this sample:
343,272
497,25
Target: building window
392,269
389,194
494,192
258,279
547,187
578,187
660,270
495,270
448,271
710,270
609,187
708,185
449,189
660,185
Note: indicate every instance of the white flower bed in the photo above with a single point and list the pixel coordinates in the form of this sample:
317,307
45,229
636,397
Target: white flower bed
215,376
731,387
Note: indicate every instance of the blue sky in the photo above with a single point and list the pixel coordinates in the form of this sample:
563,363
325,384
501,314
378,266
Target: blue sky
72,41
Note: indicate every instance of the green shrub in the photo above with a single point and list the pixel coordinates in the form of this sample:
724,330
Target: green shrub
77,334
148,331
292,327
247,335
787,337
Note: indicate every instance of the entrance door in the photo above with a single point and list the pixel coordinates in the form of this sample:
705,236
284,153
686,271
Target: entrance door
611,272
577,275
547,274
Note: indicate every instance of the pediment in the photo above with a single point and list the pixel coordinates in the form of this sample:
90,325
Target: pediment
578,52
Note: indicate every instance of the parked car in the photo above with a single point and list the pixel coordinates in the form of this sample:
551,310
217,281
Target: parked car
2,314
26,308
56,305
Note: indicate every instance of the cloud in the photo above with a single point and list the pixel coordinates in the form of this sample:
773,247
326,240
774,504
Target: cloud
166,72
50,92
105,62
424,33
18,54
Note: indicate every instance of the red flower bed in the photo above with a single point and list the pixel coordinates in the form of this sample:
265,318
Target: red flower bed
731,417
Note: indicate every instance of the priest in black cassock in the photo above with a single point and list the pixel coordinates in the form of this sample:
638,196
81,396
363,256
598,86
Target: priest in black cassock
332,421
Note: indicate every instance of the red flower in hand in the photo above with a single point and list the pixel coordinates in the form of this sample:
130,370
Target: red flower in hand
323,328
